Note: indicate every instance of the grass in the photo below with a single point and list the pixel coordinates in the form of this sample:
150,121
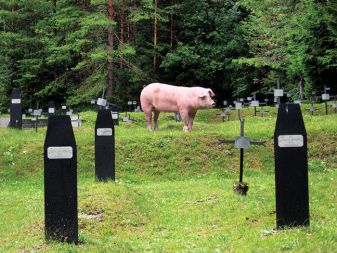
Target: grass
173,191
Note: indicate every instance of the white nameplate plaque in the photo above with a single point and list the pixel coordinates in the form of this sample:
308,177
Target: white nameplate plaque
325,96
60,152
290,141
101,102
278,93
238,106
51,110
104,131
255,103
16,101
114,115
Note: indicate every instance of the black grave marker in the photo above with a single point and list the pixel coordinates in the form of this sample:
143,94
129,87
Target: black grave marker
291,168
104,146
60,181
16,109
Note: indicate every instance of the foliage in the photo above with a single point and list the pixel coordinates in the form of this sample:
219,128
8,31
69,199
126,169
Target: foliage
58,49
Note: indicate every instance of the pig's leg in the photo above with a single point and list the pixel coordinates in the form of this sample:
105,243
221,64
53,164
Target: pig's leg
148,115
185,119
155,118
191,116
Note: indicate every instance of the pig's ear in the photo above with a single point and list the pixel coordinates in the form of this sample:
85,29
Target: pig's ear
211,93
202,96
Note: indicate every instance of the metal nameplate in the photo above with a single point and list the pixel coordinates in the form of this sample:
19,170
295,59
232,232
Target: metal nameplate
51,110
325,96
278,93
16,101
114,115
101,101
242,142
254,103
104,131
65,152
290,141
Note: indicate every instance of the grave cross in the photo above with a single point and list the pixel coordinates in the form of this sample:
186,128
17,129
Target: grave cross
241,142
254,103
326,98
278,93
334,105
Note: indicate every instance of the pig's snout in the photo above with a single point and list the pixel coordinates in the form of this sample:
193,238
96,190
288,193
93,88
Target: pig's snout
213,103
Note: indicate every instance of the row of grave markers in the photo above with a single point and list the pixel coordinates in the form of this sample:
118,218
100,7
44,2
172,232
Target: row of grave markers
16,115
60,169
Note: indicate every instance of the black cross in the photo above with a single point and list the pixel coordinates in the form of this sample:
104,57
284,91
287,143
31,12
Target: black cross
241,142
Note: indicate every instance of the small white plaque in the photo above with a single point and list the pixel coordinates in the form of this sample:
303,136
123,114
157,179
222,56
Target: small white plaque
114,115
224,102
16,101
290,141
255,103
249,98
51,110
129,102
278,93
60,152
325,96
104,131
64,107
334,106
298,102
101,102
238,106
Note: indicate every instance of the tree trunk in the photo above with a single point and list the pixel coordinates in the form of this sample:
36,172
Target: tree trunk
54,5
155,34
122,30
110,81
301,88
122,22
171,27
14,8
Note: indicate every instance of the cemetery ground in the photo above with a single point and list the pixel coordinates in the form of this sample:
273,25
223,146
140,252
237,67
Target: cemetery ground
174,189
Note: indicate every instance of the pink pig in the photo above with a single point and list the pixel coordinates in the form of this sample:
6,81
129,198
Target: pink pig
158,97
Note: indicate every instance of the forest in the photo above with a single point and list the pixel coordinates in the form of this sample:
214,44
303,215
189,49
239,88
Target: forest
74,50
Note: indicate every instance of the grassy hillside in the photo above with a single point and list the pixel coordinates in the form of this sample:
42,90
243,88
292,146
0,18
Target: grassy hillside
173,191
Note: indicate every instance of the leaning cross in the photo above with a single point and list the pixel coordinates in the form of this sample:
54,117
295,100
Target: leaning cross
241,142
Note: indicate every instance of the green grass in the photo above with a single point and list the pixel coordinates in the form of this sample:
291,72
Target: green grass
173,191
